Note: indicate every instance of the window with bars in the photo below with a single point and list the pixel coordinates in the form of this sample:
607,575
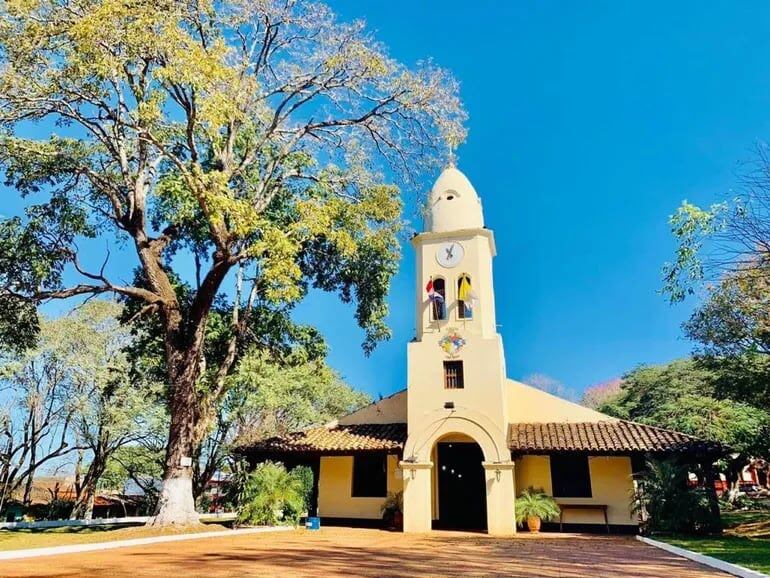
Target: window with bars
453,375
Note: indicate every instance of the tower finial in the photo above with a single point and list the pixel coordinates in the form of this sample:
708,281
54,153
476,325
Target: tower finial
452,158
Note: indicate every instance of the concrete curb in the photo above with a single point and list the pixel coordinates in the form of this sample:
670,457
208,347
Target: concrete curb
715,563
98,546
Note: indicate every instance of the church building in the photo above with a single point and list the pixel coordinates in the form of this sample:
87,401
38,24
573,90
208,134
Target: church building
463,440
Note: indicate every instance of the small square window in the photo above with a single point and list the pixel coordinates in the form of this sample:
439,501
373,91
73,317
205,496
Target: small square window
453,375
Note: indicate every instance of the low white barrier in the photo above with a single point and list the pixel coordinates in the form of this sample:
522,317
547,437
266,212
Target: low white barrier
81,548
126,521
710,561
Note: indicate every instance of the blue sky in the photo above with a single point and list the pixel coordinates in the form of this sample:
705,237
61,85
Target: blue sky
589,123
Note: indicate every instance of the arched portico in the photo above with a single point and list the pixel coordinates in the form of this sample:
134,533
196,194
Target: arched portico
418,467
461,420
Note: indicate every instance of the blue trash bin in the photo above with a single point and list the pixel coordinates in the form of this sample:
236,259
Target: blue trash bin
313,523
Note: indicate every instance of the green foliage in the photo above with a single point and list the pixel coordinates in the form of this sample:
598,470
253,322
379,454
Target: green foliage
692,396
140,465
272,157
265,143
732,321
691,226
272,495
305,475
393,504
667,504
272,399
534,502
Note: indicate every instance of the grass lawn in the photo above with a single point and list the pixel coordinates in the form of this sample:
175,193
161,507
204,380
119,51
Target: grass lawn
746,540
22,539
752,553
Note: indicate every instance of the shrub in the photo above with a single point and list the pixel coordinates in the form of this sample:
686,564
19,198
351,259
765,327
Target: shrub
305,475
534,502
393,504
273,495
667,504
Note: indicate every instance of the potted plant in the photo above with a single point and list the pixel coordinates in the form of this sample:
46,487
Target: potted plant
534,506
393,510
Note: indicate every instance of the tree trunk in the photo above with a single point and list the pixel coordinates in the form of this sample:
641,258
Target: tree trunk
84,505
709,479
27,499
176,505
84,502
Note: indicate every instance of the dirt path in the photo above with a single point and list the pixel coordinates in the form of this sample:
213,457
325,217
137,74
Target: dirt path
339,552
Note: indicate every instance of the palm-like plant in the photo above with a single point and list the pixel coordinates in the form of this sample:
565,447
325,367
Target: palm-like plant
393,503
535,503
272,495
667,504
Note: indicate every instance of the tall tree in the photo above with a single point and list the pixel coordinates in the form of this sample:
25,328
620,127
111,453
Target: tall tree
249,137
36,416
702,397
110,407
73,392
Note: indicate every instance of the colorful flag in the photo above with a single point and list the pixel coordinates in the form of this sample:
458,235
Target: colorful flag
432,294
466,294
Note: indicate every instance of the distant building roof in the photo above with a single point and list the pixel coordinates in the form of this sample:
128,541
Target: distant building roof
603,437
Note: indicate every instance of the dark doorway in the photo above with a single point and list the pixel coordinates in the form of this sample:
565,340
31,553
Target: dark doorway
462,495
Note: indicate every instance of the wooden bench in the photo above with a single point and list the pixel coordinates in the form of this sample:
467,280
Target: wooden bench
600,507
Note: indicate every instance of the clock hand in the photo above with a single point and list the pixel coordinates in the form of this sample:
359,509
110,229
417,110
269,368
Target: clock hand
450,251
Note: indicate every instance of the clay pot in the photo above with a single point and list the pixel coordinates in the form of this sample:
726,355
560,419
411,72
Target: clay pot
533,523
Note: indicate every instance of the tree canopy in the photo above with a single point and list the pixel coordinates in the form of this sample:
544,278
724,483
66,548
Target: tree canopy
696,397
261,145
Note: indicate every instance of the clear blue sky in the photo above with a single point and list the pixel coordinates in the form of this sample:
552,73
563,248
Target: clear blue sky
589,123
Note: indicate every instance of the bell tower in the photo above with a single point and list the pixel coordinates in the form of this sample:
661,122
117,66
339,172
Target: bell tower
456,366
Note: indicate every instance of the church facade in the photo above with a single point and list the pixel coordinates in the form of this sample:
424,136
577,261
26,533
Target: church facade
462,440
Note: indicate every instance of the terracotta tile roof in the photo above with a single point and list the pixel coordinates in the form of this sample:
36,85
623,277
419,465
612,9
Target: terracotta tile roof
602,436
342,438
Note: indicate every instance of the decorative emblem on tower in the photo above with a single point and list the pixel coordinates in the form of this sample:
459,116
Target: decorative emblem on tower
452,342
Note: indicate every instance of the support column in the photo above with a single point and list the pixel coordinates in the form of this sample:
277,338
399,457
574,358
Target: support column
417,496
500,498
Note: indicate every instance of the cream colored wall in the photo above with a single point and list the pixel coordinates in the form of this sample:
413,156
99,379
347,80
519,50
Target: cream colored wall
391,409
479,249
527,404
611,484
335,484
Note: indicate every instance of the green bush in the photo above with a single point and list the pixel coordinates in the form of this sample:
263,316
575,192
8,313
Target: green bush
305,475
534,502
668,505
272,495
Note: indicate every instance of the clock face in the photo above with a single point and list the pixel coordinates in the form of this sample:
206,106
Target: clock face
450,254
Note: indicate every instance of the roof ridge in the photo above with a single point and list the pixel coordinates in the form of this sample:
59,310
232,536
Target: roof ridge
667,430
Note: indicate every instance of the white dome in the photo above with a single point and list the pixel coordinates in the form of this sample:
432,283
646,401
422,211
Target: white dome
453,204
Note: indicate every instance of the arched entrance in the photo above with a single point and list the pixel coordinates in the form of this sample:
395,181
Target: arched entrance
421,465
460,485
